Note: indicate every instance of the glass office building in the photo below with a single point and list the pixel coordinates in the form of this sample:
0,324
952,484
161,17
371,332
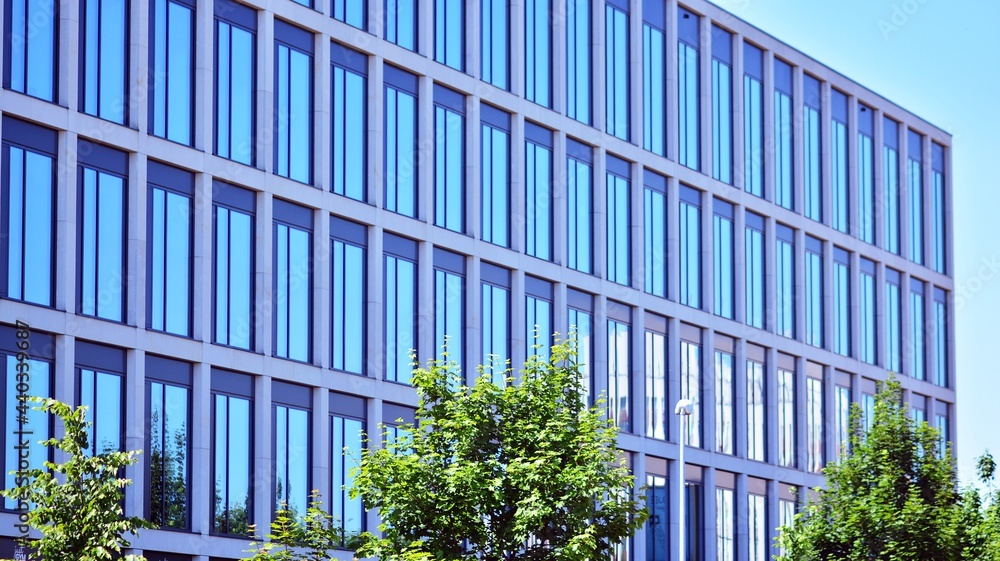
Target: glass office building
228,224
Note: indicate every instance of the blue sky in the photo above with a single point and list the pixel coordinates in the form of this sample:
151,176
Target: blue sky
941,60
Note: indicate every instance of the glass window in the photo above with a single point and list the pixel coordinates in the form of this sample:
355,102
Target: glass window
866,175
940,338
756,417
292,443
838,161
843,421
400,307
914,166
400,166
841,302
616,62
27,227
232,460
691,389
351,12
786,418
724,403
449,33
757,527
893,336
578,63
537,51
753,120
538,197
168,442
814,292
722,223
941,424
786,515
30,55
102,223
20,417
538,316
725,526
658,523
495,33
581,319
654,79
172,70
400,17
938,223
784,284
811,132
918,361
347,283
449,305
783,134
350,121
722,105
690,245
656,380
754,262
235,83
579,203
169,247
867,411
104,58
495,165
292,281
101,393
866,309
694,524
655,233
233,273
814,425
890,175
449,158
618,180
496,321
347,421
619,402
293,137
688,92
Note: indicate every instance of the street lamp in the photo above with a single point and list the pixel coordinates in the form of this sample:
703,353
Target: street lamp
684,408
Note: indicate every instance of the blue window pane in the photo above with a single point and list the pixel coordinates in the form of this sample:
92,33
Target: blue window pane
940,344
783,149
29,219
235,61
690,262
723,255
449,33
656,385
657,545
893,336
916,194
345,449
35,423
173,69
841,309
756,422
918,360
102,234
400,317
812,167
688,116
654,101
618,229
168,446
291,459
619,390
725,408
292,286
495,38
351,12
105,46
232,503
400,152
722,121
938,217
814,425
348,314
814,299
839,173
616,78
691,389
350,133
101,393
786,418
31,47
538,313
496,185
581,323
170,267
754,250
784,285
655,241
538,180
578,57
496,331
578,216
293,114
233,278
449,310
449,169
866,310
538,52
866,189
753,136
401,23
890,202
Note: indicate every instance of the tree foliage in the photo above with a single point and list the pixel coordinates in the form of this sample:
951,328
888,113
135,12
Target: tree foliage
500,473
77,504
309,537
893,496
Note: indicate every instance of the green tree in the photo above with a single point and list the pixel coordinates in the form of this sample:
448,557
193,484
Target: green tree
500,473
893,496
309,537
77,504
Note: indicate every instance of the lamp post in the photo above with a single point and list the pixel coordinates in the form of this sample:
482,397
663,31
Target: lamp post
684,408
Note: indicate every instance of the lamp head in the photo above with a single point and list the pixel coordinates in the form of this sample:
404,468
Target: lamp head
684,407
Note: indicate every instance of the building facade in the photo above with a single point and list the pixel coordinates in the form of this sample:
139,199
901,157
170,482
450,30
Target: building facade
224,225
